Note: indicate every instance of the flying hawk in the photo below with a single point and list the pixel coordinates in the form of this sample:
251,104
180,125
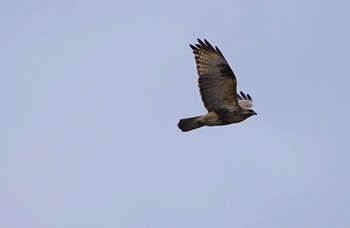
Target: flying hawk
217,84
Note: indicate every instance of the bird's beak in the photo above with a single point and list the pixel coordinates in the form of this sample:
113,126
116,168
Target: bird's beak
254,113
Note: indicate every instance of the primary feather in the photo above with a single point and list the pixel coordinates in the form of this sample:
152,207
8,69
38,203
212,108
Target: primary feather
217,84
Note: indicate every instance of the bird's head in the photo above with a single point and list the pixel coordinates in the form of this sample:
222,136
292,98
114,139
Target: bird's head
248,113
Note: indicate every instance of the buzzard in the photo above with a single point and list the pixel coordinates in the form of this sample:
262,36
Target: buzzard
217,84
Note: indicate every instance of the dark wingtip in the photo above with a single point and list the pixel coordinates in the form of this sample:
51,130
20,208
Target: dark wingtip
201,42
193,47
243,95
207,43
218,50
249,97
206,46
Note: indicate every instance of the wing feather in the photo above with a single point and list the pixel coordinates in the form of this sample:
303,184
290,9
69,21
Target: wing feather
217,82
245,100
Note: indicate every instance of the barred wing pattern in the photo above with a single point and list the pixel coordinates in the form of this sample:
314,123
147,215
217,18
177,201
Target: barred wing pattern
217,82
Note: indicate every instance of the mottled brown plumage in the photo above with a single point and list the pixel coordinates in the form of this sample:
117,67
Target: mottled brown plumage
217,84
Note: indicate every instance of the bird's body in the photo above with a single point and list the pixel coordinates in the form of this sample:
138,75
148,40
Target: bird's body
217,84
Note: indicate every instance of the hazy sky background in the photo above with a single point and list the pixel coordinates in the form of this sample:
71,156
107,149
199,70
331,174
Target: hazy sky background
91,93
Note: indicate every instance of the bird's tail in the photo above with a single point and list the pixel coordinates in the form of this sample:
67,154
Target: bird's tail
192,123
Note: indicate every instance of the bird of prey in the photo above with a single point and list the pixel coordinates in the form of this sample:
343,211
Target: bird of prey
217,84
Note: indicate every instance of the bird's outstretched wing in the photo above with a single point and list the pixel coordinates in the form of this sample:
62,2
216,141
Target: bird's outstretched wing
217,82
245,100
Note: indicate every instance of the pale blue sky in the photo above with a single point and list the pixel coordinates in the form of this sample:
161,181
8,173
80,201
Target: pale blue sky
91,92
